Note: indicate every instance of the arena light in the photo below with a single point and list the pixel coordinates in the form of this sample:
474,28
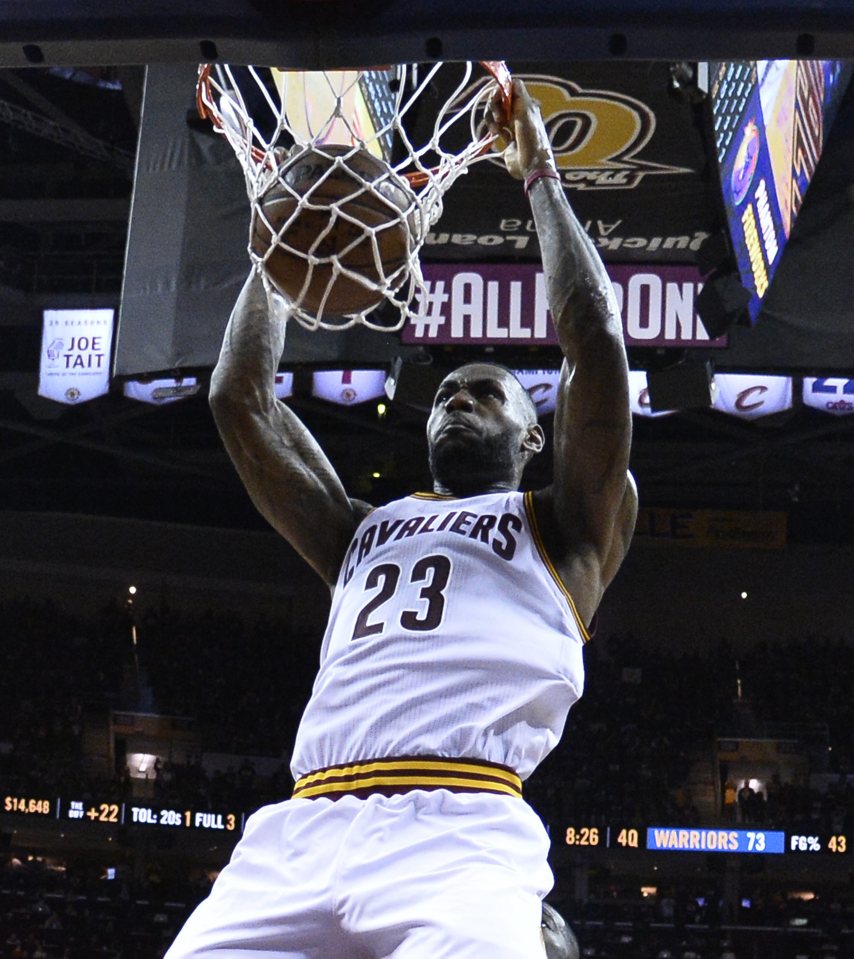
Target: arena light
142,765
75,354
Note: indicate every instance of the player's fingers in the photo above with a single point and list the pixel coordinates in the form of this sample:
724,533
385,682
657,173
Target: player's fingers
524,106
496,122
517,88
511,161
520,100
497,111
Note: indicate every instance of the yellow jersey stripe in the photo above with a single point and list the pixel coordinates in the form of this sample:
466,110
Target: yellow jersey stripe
411,782
410,774
405,765
544,556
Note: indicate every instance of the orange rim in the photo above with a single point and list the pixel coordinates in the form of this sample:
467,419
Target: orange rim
497,69
500,72
208,109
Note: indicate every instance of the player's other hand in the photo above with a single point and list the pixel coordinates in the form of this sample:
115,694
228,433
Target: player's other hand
528,146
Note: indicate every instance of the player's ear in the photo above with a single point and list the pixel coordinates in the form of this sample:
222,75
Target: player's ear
534,440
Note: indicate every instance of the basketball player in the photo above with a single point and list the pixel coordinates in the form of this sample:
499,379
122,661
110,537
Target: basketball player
454,645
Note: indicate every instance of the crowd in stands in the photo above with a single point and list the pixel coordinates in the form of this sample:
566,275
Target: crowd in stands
56,666
243,679
690,919
68,910
647,713
625,755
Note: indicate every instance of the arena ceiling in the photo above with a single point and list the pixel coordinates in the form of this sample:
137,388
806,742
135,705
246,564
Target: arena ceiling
71,92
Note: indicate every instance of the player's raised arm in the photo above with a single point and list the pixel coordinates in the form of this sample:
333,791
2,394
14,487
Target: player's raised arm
284,470
592,502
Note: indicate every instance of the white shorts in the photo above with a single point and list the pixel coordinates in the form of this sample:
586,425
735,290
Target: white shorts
421,875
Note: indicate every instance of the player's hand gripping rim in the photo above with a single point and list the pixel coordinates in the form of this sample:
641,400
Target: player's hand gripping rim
528,146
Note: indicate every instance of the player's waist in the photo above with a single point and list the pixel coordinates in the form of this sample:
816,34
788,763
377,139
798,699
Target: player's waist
389,777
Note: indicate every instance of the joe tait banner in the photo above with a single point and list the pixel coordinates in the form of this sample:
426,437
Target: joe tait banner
75,355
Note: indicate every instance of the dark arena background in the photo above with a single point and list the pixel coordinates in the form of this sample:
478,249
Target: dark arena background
158,641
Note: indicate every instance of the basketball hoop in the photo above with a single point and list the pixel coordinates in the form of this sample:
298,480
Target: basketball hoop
342,198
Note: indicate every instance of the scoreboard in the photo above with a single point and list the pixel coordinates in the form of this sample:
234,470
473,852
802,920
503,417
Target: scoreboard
754,841
773,842
126,813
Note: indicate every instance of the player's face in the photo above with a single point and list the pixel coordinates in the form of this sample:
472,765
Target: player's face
479,430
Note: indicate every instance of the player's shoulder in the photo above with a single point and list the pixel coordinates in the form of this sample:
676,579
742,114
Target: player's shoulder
566,533
361,509
585,566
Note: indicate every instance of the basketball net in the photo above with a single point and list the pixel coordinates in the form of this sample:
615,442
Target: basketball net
271,117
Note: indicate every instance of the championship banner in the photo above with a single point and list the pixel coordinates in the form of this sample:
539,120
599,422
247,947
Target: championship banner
284,385
750,396
75,355
348,387
830,394
505,304
161,391
541,386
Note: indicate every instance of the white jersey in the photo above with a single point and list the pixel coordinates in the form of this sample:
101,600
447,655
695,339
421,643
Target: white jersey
450,634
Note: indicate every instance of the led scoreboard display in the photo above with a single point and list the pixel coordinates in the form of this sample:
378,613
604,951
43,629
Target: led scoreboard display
771,120
28,805
716,840
185,818
577,836
121,813
773,842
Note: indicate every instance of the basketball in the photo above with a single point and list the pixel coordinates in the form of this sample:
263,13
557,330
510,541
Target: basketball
331,205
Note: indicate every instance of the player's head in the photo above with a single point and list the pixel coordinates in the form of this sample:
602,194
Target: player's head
482,430
559,939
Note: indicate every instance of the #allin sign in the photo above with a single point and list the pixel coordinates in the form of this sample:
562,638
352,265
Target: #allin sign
75,354
505,304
